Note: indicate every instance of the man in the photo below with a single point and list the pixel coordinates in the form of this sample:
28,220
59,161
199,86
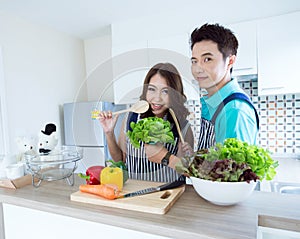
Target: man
214,50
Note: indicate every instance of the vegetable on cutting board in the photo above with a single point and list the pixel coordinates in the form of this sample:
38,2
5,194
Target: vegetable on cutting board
92,175
121,165
104,190
112,175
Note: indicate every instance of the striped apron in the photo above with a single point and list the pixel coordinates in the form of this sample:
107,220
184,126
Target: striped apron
140,168
206,134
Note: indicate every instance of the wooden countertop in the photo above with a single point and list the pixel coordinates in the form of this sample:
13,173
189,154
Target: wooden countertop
190,217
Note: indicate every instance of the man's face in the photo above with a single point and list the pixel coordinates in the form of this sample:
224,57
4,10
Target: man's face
208,66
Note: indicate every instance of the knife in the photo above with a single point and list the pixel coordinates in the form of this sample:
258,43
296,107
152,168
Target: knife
166,186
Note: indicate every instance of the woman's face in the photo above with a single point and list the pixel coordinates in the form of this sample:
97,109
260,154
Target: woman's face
158,95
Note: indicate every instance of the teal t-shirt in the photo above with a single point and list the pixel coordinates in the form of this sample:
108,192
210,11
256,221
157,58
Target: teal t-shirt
236,120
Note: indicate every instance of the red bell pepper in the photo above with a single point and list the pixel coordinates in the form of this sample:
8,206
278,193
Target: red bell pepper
92,175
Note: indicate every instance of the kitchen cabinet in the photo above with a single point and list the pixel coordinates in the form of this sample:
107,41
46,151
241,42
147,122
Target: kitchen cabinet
65,227
50,203
278,40
176,50
246,61
99,69
130,66
271,233
178,44
270,227
131,63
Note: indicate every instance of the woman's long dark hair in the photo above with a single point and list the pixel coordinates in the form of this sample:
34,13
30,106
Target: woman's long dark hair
176,94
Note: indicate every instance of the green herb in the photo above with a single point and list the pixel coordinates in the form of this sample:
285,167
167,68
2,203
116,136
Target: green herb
150,130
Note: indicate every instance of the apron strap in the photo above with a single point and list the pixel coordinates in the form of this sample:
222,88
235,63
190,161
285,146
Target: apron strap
234,96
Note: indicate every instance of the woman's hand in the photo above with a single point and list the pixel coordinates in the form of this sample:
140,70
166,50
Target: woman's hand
155,152
107,121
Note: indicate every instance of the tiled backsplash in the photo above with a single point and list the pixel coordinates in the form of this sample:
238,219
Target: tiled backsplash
279,119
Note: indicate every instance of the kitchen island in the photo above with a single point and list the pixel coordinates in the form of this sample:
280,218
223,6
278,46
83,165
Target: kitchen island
190,216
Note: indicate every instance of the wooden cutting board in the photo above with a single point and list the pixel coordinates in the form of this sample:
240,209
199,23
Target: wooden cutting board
157,203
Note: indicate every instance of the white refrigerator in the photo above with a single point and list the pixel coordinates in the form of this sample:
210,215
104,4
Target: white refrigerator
81,130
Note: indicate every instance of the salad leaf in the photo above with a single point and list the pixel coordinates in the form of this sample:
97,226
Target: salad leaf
256,157
150,130
226,170
232,161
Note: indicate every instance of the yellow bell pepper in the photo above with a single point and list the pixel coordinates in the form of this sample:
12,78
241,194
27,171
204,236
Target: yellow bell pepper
110,175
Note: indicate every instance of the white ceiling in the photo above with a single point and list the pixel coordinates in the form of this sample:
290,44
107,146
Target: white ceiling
90,18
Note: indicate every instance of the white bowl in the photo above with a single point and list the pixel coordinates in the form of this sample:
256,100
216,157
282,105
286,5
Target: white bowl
223,193
14,171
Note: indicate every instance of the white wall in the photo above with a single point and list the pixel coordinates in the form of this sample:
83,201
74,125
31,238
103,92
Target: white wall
3,130
43,69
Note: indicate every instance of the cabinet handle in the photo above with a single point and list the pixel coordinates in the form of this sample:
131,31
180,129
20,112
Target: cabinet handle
242,69
273,88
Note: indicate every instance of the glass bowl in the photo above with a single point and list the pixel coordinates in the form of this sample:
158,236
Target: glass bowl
56,165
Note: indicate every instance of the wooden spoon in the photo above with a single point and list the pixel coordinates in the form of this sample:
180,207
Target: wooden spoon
139,107
177,124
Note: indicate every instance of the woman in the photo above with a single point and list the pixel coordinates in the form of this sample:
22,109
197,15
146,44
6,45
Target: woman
162,89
